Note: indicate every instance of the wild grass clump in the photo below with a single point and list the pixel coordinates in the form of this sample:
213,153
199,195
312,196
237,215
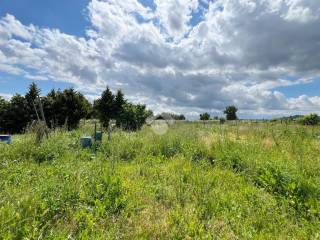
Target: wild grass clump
196,181
280,170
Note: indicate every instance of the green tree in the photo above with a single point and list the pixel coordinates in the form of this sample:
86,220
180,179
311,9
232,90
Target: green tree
231,113
51,108
119,107
16,116
169,116
134,116
69,108
32,100
4,105
105,107
33,93
205,116
312,119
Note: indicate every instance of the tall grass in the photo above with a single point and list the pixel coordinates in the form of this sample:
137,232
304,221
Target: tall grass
197,181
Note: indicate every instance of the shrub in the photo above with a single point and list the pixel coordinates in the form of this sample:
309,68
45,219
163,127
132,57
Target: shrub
312,119
205,116
231,113
222,120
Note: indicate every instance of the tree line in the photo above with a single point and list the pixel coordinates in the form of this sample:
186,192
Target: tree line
67,108
230,112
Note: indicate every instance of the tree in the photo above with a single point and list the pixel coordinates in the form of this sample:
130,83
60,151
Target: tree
231,113
16,117
119,107
170,116
33,92
205,116
181,117
69,108
222,120
4,105
312,119
51,108
32,97
134,116
105,107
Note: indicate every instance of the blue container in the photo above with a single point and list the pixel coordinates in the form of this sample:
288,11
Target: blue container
86,142
6,138
98,136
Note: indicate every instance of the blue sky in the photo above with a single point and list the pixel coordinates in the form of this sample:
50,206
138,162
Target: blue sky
178,55
70,19
68,16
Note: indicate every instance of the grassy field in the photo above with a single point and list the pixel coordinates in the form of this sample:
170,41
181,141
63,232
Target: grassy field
196,181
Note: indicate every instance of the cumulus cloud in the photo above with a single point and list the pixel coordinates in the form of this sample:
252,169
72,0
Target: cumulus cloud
175,15
6,96
182,55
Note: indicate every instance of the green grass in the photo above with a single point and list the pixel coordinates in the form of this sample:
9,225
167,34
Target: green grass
245,181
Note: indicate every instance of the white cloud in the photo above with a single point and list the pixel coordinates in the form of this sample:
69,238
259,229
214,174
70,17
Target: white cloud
238,53
175,15
6,96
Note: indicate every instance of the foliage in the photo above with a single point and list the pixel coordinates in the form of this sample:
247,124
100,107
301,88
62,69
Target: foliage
60,108
32,101
69,108
312,119
15,116
133,116
4,105
128,116
119,107
105,107
170,116
231,113
245,181
222,120
205,116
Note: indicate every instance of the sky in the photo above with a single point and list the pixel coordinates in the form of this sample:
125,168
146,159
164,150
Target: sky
182,56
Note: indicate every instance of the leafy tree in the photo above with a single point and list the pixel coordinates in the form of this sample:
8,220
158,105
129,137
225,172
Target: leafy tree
205,116
134,116
16,117
312,119
181,117
32,97
222,120
105,107
170,116
33,93
231,113
51,108
119,107
69,107
4,105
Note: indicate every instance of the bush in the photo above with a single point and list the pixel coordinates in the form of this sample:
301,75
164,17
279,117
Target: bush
222,120
312,119
231,113
205,116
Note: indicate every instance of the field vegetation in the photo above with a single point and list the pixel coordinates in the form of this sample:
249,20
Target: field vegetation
196,181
